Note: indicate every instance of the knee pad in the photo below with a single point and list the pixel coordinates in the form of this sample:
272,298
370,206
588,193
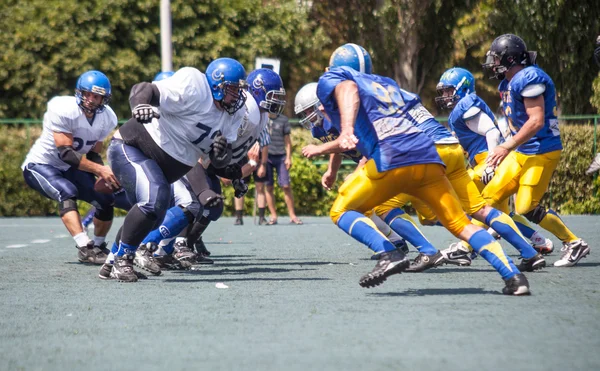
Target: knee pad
66,206
536,215
105,214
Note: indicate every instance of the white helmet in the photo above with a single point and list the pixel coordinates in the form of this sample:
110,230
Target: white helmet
306,106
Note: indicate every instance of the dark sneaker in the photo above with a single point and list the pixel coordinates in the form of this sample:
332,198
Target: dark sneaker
457,254
516,285
122,270
546,248
91,254
532,264
572,253
144,259
102,247
201,248
238,221
262,221
168,262
424,262
105,271
391,262
200,259
184,253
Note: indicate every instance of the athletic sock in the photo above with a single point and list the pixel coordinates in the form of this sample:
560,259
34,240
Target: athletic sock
554,224
99,240
403,224
490,250
81,239
364,230
175,221
506,227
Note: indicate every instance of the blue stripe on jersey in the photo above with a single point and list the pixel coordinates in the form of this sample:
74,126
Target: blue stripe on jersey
472,142
386,132
548,138
328,133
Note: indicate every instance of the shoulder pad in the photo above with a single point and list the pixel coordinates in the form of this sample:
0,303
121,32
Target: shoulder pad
471,112
533,90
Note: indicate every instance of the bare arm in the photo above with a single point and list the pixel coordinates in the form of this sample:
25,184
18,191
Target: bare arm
348,101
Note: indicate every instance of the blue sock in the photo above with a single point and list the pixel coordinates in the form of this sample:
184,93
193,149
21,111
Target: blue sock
114,248
506,228
490,250
89,217
125,249
364,230
175,221
396,219
526,230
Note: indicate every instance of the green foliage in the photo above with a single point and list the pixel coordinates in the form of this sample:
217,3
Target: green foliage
595,99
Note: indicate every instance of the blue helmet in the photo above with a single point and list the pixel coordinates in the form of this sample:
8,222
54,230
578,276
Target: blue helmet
226,77
163,75
460,81
266,87
352,55
94,82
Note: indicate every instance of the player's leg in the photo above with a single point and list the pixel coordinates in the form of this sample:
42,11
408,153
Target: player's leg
537,172
284,181
384,228
261,201
269,192
435,190
147,187
238,204
52,183
361,192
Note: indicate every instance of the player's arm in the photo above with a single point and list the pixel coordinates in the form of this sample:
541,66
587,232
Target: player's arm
143,100
66,152
348,102
329,177
313,150
482,124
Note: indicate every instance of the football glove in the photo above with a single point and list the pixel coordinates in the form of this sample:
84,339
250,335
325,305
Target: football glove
221,152
144,113
240,187
487,175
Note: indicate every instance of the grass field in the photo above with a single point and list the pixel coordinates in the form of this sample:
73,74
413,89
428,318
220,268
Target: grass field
293,303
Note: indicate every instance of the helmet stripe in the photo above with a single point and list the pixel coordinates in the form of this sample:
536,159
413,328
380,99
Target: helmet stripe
361,57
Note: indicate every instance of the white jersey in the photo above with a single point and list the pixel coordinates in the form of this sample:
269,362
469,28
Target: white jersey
253,124
189,119
65,116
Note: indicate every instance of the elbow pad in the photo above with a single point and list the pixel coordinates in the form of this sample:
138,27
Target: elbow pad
69,155
94,157
144,93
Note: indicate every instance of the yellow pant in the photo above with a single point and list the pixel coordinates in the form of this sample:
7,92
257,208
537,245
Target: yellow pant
526,175
368,188
466,190
475,174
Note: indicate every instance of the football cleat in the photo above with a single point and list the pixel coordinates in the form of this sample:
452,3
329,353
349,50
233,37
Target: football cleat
534,263
91,254
400,245
516,285
572,253
390,262
424,262
122,270
201,248
105,271
168,262
457,254
546,248
145,260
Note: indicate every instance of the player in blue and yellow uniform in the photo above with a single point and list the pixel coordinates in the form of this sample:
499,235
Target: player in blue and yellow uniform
474,124
308,107
372,114
526,161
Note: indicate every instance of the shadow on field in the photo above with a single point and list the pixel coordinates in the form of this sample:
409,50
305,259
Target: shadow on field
225,271
219,263
175,280
449,291
588,264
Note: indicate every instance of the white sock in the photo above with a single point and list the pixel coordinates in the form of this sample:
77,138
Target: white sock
110,259
99,240
81,239
179,240
160,252
538,239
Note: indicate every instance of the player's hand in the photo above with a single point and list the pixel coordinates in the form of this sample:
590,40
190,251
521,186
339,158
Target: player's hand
328,179
219,146
487,175
311,151
109,178
144,113
226,182
254,152
497,156
240,187
347,141
261,172
288,163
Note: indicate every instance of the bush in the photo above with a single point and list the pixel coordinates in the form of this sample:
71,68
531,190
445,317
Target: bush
570,192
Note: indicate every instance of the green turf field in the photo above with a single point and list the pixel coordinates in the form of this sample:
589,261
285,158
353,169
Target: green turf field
293,303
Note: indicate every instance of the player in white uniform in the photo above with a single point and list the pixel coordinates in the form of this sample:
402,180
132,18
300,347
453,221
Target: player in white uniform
57,168
176,121
267,96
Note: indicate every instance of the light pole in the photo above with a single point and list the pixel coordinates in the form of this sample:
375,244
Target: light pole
166,48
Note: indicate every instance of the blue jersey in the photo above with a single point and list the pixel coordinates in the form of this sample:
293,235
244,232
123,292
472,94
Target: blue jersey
430,126
548,138
329,133
474,143
386,132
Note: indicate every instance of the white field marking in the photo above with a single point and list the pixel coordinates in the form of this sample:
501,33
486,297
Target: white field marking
221,285
62,236
15,246
40,241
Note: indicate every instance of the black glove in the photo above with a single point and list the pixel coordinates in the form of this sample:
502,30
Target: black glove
209,199
233,171
221,152
240,187
144,113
